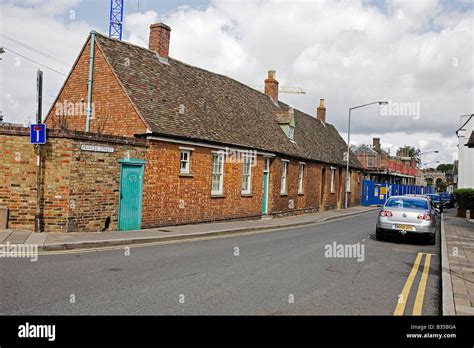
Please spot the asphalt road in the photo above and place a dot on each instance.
(282, 272)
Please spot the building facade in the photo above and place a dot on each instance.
(192, 146)
(466, 152)
(380, 167)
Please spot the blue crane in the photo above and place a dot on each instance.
(116, 17)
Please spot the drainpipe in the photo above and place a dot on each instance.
(89, 82)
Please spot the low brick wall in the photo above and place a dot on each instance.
(79, 188)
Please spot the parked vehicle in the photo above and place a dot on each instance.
(436, 199)
(447, 199)
(407, 215)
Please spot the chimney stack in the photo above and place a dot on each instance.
(271, 86)
(321, 111)
(376, 143)
(159, 41)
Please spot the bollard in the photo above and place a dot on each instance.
(468, 214)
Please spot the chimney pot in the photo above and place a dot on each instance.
(321, 111)
(271, 86)
(376, 143)
(159, 41)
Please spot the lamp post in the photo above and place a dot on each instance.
(433, 151)
(349, 144)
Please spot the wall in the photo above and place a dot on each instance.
(113, 112)
(79, 189)
(170, 198)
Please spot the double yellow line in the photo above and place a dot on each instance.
(420, 294)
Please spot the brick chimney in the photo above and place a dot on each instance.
(321, 111)
(159, 41)
(271, 86)
(376, 143)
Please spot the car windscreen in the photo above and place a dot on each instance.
(407, 203)
(435, 198)
(445, 195)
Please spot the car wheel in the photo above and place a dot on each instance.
(379, 234)
(432, 240)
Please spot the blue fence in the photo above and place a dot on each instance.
(377, 194)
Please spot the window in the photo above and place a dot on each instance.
(284, 170)
(370, 161)
(333, 175)
(300, 178)
(291, 132)
(217, 174)
(184, 162)
(246, 174)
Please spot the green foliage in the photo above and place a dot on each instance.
(444, 167)
(465, 198)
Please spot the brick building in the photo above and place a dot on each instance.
(191, 145)
(384, 168)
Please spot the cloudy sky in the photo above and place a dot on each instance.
(417, 54)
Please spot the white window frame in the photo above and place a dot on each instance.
(291, 132)
(187, 169)
(217, 173)
(300, 178)
(333, 177)
(284, 175)
(247, 177)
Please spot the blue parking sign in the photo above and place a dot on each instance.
(38, 134)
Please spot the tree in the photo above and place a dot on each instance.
(410, 151)
(444, 167)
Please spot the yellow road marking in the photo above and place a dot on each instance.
(400, 309)
(422, 287)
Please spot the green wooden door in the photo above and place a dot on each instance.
(130, 200)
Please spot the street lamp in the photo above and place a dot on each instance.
(433, 151)
(349, 144)
(425, 164)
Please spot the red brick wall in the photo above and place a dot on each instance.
(79, 189)
(169, 198)
(113, 112)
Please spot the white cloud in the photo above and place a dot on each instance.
(343, 51)
(38, 24)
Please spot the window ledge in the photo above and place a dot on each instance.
(217, 196)
(186, 175)
(300, 193)
(246, 195)
(283, 194)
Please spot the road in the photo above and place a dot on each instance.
(282, 272)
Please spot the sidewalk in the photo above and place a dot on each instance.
(78, 240)
(457, 265)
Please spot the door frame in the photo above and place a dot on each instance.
(266, 179)
(131, 162)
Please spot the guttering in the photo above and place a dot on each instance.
(89, 82)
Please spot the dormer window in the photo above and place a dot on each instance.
(291, 132)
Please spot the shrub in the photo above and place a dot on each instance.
(465, 198)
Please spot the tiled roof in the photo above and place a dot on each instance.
(215, 108)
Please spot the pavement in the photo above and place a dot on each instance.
(458, 265)
(285, 271)
(81, 240)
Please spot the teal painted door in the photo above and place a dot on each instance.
(266, 168)
(130, 205)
